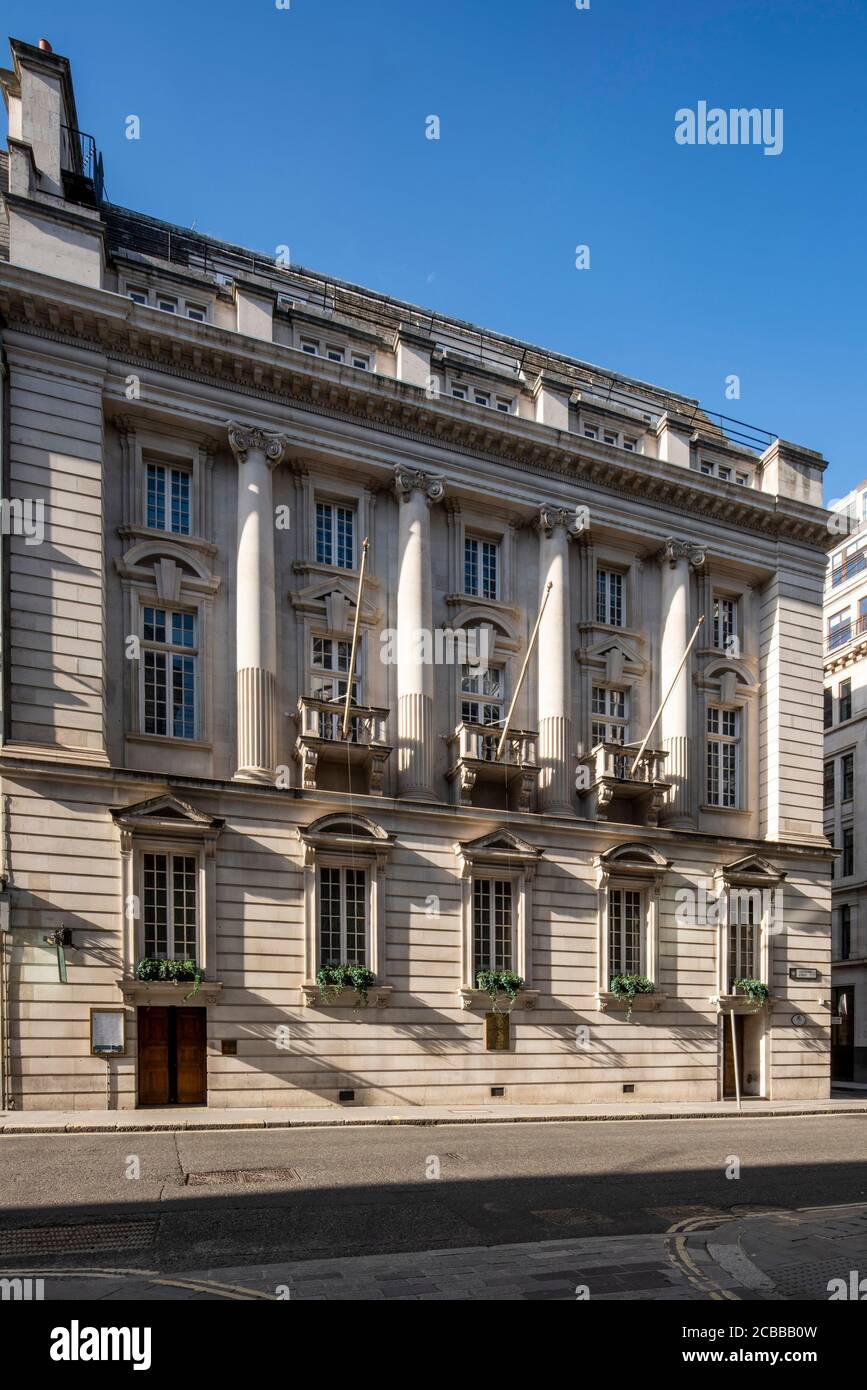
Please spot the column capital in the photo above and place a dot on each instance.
(410, 480)
(675, 550)
(245, 438)
(551, 516)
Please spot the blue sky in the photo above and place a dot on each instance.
(306, 126)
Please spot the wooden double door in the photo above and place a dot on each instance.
(172, 1060)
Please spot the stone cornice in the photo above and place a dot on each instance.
(133, 334)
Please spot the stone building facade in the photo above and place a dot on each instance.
(197, 443)
(845, 772)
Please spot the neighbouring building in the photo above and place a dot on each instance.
(845, 771)
(197, 441)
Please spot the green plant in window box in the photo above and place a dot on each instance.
(627, 986)
(171, 971)
(333, 979)
(756, 991)
(497, 982)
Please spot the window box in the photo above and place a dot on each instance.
(472, 998)
(607, 1002)
(169, 992)
(739, 1003)
(377, 995)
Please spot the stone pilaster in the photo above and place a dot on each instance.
(257, 452)
(677, 558)
(556, 527)
(416, 491)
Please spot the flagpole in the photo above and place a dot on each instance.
(345, 726)
(502, 742)
(689, 646)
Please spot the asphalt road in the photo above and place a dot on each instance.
(343, 1192)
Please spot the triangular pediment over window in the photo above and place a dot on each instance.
(501, 847)
(753, 869)
(168, 816)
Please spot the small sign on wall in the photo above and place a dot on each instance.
(108, 1032)
(497, 1033)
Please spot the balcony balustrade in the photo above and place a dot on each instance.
(612, 781)
(474, 763)
(320, 745)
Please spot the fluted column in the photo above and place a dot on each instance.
(677, 559)
(556, 527)
(257, 453)
(416, 491)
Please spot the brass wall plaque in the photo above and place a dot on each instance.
(497, 1032)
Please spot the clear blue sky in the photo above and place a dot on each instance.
(306, 126)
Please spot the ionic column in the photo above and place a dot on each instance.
(677, 558)
(556, 527)
(256, 606)
(416, 491)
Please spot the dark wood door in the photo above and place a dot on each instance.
(154, 1086)
(191, 1063)
(843, 1034)
(729, 1089)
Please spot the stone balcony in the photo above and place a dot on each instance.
(615, 792)
(331, 763)
(481, 779)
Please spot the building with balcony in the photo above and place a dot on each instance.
(235, 778)
(845, 771)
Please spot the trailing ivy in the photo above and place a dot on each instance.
(756, 990)
(497, 982)
(627, 986)
(172, 971)
(333, 979)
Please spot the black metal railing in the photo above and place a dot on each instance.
(82, 161)
(853, 564)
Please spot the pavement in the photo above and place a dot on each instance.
(211, 1117)
(762, 1257)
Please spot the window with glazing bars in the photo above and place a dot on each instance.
(482, 695)
(329, 677)
(610, 716)
(342, 916)
(744, 916)
(625, 930)
(609, 597)
(169, 491)
(169, 659)
(492, 924)
(335, 535)
(170, 906)
(723, 727)
(725, 621)
(481, 563)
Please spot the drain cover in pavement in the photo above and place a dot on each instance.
(80, 1237)
(232, 1176)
